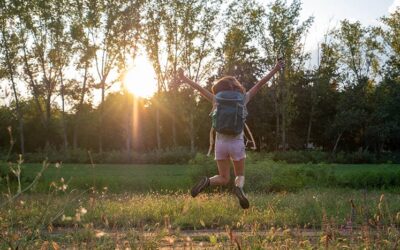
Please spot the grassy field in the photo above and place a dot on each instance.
(150, 221)
(148, 207)
(118, 178)
(262, 176)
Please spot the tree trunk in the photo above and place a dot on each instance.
(337, 143)
(309, 126)
(101, 117)
(48, 119)
(79, 108)
(283, 129)
(173, 103)
(277, 120)
(129, 129)
(283, 111)
(158, 129)
(174, 141)
(64, 127)
(20, 119)
(75, 133)
(192, 133)
(18, 108)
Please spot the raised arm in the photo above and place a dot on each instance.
(204, 92)
(253, 91)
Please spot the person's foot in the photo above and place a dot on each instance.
(244, 202)
(200, 186)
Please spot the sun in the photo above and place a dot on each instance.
(140, 79)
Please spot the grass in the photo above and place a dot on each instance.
(148, 206)
(305, 209)
(154, 217)
(118, 178)
(261, 176)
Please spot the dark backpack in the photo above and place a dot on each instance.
(230, 113)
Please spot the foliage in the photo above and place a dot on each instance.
(341, 157)
(347, 102)
(179, 155)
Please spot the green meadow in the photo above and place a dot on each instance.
(262, 176)
(149, 206)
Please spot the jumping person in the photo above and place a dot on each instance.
(229, 99)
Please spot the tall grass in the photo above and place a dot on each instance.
(309, 218)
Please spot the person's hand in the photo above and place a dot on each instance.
(280, 64)
(179, 78)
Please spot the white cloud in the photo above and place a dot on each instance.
(394, 6)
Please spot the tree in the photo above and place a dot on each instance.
(179, 33)
(84, 52)
(155, 12)
(9, 61)
(358, 50)
(113, 28)
(44, 51)
(384, 128)
(283, 38)
(198, 31)
(324, 95)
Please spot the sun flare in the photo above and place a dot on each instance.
(140, 79)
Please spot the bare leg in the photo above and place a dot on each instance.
(238, 167)
(224, 173)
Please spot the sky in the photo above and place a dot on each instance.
(328, 13)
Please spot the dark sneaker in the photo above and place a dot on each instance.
(202, 184)
(244, 202)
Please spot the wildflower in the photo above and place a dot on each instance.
(287, 232)
(100, 234)
(55, 245)
(64, 187)
(83, 210)
(78, 217)
(66, 218)
(127, 246)
(20, 160)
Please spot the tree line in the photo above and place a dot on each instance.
(57, 55)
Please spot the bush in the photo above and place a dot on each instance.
(341, 157)
(202, 165)
(270, 176)
(371, 180)
(301, 156)
(179, 155)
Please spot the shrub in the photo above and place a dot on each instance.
(315, 156)
(270, 176)
(178, 155)
(202, 165)
(275, 177)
